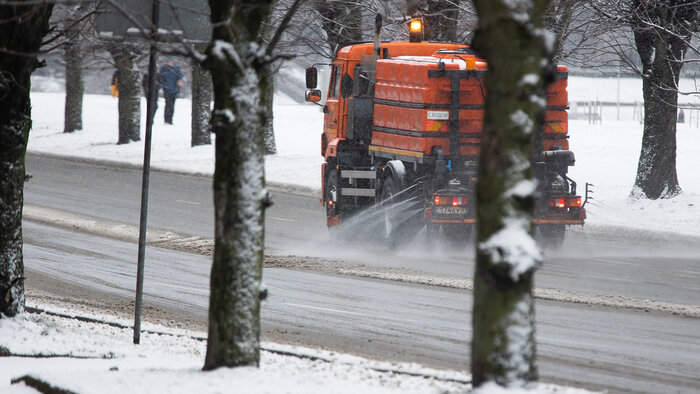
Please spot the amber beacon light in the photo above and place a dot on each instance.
(415, 28)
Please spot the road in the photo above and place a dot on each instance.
(591, 346)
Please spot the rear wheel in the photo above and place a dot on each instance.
(550, 236)
(388, 202)
(458, 234)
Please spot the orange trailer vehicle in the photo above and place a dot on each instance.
(402, 127)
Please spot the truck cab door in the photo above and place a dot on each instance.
(332, 120)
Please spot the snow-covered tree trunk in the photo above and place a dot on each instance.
(268, 102)
(661, 35)
(73, 119)
(201, 105)
(238, 74)
(129, 88)
(511, 38)
(22, 30)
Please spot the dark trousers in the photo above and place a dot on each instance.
(169, 107)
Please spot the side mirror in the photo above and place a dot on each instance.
(313, 96)
(311, 78)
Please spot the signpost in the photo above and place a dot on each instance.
(125, 20)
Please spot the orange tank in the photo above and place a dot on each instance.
(412, 108)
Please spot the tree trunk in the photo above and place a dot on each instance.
(129, 94)
(239, 196)
(268, 101)
(201, 105)
(73, 119)
(22, 30)
(503, 343)
(661, 54)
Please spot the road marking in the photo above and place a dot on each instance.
(188, 202)
(179, 287)
(281, 219)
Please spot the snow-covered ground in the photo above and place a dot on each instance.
(95, 355)
(91, 357)
(171, 362)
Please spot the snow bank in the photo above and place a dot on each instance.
(93, 357)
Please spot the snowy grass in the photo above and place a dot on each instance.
(98, 358)
(92, 357)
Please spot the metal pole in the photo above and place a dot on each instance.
(618, 95)
(150, 112)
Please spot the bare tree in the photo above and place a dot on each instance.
(237, 59)
(512, 39)
(124, 55)
(201, 105)
(440, 18)
(662, 33)
(73, 57)
(341, 21)
(23, 25)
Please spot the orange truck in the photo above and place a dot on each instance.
(401, 135)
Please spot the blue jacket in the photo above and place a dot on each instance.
(168, 78)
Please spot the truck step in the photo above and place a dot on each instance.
(358, 174)
(350, 191)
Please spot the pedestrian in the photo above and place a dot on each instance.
(115, 80)
(170, 79)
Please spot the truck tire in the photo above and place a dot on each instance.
(550, 236)
(389, 224)
(458, 235)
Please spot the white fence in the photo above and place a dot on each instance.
(595, 111)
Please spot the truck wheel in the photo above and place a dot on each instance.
(458, 235)
(389, 224)
(550, 236)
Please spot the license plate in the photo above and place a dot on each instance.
(451, 211)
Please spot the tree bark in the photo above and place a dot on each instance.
(73, 118)
(21, 39)
(239, 196)
(661, 52)
(510, 37)
(201, 105)
(268, 101)
(128, 85)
